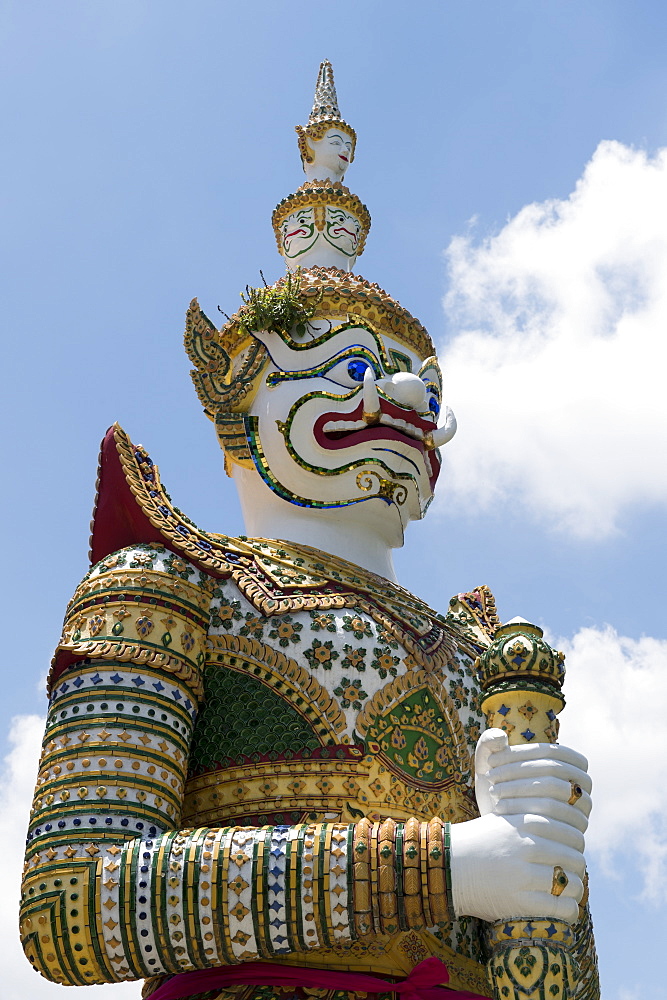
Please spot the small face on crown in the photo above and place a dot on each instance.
(323, 224)
(342, 230)
(331, 155)
(298, 232)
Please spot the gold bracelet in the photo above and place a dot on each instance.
(437, 890)
(448, 869)
(423, 872)
(387, 877)
(363, 919)
(375, 897)
(412, 890)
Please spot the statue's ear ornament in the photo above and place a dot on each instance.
(222, 387)
(229, 361)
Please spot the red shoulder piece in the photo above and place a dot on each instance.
(132, 507)
(118, 518)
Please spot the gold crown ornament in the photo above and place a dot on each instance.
(321, 291)
(320, 196)
(324, 115)
(521, 678)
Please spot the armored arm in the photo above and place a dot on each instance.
(114, 889)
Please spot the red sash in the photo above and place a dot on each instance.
(423, 983)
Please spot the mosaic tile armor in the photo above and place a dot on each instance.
(256, 751)
(222, 742)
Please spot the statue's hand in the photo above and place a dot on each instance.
(524, 856)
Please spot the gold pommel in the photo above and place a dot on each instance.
(521, 677)
(519, 653)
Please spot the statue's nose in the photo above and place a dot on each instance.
(407, 389)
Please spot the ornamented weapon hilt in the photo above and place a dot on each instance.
(521, 678)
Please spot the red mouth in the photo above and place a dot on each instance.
(295, 232)
(396, 424)
(343, 158)
(342, 229)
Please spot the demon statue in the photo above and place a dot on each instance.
(263, 775)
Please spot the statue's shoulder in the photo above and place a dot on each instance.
(148, 562)
(473, 615)
(289, 578)
(133, 507)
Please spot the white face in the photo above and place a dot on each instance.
(298, 232)
(332, 154)
(315, 444)
(342, 231)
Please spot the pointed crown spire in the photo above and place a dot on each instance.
(325, 114)
(325, 105)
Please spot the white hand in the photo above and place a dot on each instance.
(535, 802)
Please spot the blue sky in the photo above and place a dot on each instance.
(510, 155)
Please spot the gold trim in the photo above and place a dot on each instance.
(296, 681)
(319, 195)
(279, 577)
(341, 293)
(227, 795)
(393, 694)
(112, 650)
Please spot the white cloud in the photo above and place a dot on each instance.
(557, 369)
(17, 783)
(616, 690)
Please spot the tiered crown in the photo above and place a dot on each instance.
(320, 229)
(324, 115)
(323, 224)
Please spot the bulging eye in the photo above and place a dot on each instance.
(357, 369)
(433, 391)
(349, 372)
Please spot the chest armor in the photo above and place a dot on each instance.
(333, 712)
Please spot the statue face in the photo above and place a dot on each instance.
(342, 230)
(309, 429)
(298, 232)
(332, 154)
